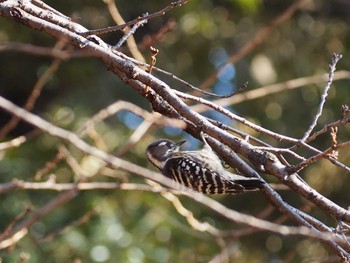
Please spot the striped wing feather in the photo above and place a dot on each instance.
(188, 173)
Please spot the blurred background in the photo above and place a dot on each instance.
(138, 226)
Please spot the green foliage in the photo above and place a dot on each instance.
(250, 6)
(138, 226)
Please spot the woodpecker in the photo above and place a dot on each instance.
(199, 170)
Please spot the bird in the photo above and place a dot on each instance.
(200, 170)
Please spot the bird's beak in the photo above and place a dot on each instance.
(178, 144)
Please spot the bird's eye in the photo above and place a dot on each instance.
(162, 143)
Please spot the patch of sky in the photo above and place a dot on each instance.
(225, 79)
(131, 120)
(172, 131)
(224, 84)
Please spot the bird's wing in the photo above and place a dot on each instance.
(188, 173)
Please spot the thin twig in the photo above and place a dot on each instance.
(72, 162)
(235, 117)
(325, 154)
(10, 226)
(81, 186)
(118, 19)
(335, 59)
(138, 133)
(137, 25)
(136, 20)
(274, 88)
(191, 219)
(327, 127)
(117, 106)
(49, 165)
(13, 143)
(185, 83)
(80, 221)
(21, 229)
(36, 50)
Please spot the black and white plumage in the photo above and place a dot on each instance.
(199, 170)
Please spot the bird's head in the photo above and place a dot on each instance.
(159, 151)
